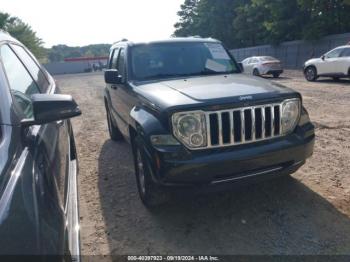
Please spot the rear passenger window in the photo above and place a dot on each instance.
(346, 52)
(33, 67)
(21, 83)
(121, 62)
(113, 64)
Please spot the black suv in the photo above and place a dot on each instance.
(38, 162)
(193, 118)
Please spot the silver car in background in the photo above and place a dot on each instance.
(262, 65)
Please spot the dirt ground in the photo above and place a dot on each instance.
(306, 214)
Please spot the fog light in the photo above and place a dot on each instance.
(196, 139)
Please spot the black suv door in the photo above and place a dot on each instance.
(46, 147)
(123, 98)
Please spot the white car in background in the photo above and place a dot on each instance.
(262, 65)
(335, 64)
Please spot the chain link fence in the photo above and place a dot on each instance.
(293, 54)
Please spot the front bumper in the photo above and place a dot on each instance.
(177, 166)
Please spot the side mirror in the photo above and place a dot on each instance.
(240, 65)
(112, 77)
(323, 57)
(50, 108)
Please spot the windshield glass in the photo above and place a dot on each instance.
(154, 61)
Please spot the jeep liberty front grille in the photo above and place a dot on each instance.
(243, 125)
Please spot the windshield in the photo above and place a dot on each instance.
(154, 61)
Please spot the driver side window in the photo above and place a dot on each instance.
(21, 84)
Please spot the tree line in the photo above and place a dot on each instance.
(243, 23)
(59, 52)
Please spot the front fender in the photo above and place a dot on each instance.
(145, 123)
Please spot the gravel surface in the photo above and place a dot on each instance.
(308, 213)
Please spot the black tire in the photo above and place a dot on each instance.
(276, 75)
(310, 73)
(113, 129)
(151, 194)
(256, 72)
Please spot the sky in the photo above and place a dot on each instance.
(79, 22)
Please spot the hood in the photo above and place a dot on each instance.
(313, 60)
(210, 89)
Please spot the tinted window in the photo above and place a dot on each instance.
(334, 53)
(21, 83)
(346, 52)
(246, 61)
(152, 61)
(33, 67)
(113, 63)
(267, 58)
(121, 62)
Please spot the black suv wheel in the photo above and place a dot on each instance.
(114, 131)
(151, 194)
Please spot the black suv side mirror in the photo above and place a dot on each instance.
(112, 77)
(50, 108)
(240, 65)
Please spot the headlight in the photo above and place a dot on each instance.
(190, 128)
(290, 115)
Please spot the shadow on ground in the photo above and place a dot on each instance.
(282, 216)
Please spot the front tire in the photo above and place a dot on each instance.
(310, 73)
(151, 194)
(113, 129)
(276, 75)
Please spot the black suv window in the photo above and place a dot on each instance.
(114, 60)
(121, 62)
(346, 52)
(152, 61)
(33, 67)
(21, 83)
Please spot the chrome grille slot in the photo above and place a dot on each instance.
(243, 125)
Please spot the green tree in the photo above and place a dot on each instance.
(241, 23)
(24, 33)
(188, 16)
(59, 52)
(325, 17)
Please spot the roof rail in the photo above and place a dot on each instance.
(122, 40)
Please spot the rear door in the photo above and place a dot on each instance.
(345, 61)
(124, 93)
(48, 144)
(252, 64)
(113, 89)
